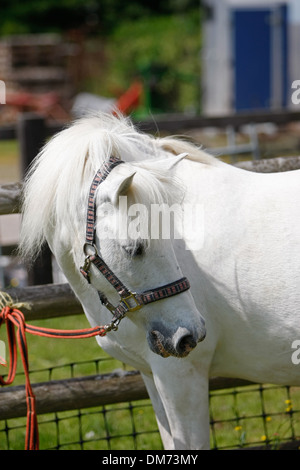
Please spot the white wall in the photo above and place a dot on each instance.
(216, 73)
(217, 76)
(294, 11)
(294, 40)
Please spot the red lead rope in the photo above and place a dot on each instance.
(13, 317)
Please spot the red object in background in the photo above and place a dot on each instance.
(49, 104)
(130, 99)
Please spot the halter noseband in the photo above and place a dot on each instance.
(129, 301)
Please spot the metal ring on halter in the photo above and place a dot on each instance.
(113, 326)
(90, 247)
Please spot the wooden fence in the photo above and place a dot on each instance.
(54, 300)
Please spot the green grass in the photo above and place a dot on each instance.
(255, 415)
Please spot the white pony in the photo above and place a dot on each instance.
(243, 267)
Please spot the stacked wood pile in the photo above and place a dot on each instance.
(35, 63)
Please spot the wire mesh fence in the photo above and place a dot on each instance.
(122, 426)
(262, 416)
(105, 428)
(256, 416)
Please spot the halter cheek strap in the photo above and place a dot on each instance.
(129, 301)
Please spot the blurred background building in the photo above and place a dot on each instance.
(185, 56)
(250, 54)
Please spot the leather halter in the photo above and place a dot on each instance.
(129, 301)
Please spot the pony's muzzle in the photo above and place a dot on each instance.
(180, 344)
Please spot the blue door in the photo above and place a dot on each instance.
(260, 55)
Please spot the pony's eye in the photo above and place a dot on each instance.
(139, 250)
(133, 250)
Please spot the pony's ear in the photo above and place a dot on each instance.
(169, 162)
(176, 159)
(120, 186)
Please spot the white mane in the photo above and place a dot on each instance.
(63, 170)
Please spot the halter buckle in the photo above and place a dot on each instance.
(126, 300)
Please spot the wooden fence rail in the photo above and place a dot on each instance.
(176, 122)
(46, 301)
(10, 198)
(86, 392)
(10, 193)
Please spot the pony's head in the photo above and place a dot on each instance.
(136, 243)
(127, 236)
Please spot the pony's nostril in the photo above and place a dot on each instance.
(186, 344)
(179, 345)
(158, 343)
(155, 335)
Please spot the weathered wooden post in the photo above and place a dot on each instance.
(31, 134)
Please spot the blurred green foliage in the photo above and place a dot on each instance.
(159, 42)
(163, 51)
(97, 16)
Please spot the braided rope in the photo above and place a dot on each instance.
(13, 317)
(7, 301)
